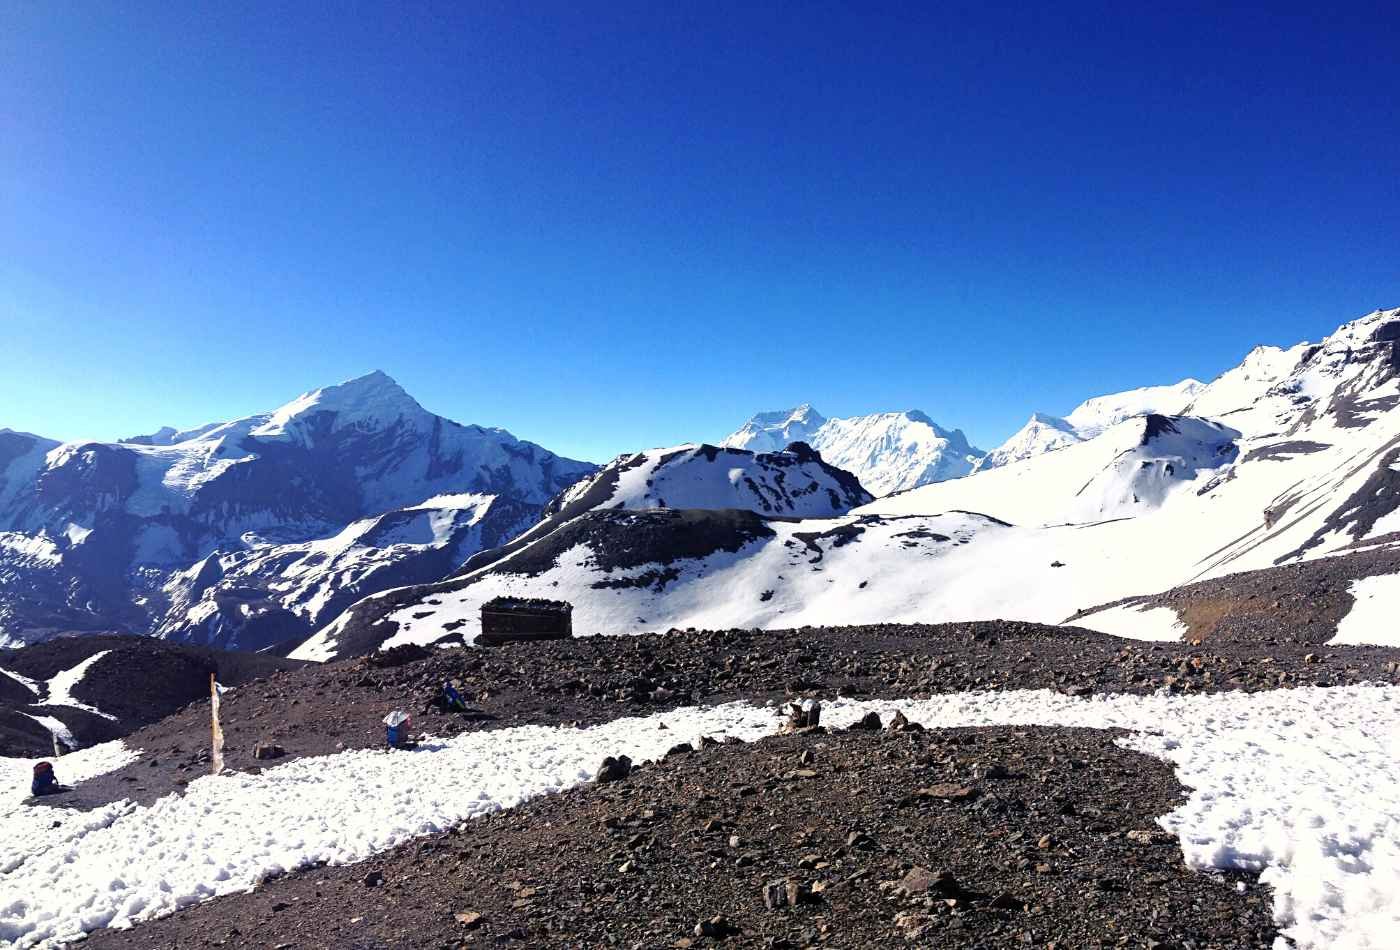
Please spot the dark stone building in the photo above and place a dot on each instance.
(506, 619)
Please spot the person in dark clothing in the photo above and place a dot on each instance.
(45, 782)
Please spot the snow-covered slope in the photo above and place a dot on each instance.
(887, 451)
(627, 571)
(91, 532)
(1133, 467)
(1315, 472)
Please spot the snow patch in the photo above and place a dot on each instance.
(1134, 622)
(32, 685)
(60, 687)
(1373, 618)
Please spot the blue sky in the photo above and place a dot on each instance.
(609, 226)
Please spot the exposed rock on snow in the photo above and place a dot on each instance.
(795, 482)
(253, 599)
(625, 571)
(1093, 416)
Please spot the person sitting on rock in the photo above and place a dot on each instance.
(447, 700)
(45, 782)
(452, 699)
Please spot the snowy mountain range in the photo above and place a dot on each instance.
(887, 451)
(194, 534)
(1046, 433)
(352, 518)
(1290, 457)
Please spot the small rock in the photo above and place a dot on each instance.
(861, 840)
(614, 769)
(948, 792)
(870, 721)
(470, 919)
(717, 926)
(268, 750)
(373, 879)
(775, 895)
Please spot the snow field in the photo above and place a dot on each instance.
(1302, 784)
(26, 831)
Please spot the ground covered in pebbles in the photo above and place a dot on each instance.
(990, 837)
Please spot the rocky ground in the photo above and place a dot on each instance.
(140, 681)
(318, 710)
(962, 838)
(1304, 601)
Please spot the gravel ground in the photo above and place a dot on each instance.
(995, 837)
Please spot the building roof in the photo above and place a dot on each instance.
(531, 605)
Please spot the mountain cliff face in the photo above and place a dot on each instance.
(91, 534)
(887, 451)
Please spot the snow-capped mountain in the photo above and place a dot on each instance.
(1092, 416)
(1047, 433)
(1290, 457)
(775, 431)
(1042, 433)
(794, 483)
(92, 533)
(887, 451)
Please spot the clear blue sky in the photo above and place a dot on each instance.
(613, 225)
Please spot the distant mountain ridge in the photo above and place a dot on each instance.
(92, 534)
(887, 451)
(1046, 433)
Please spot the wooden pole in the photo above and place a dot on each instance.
(216, 735)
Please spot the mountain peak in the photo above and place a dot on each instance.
(773, 431)
(372, 400)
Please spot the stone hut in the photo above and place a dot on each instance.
(507, 619)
